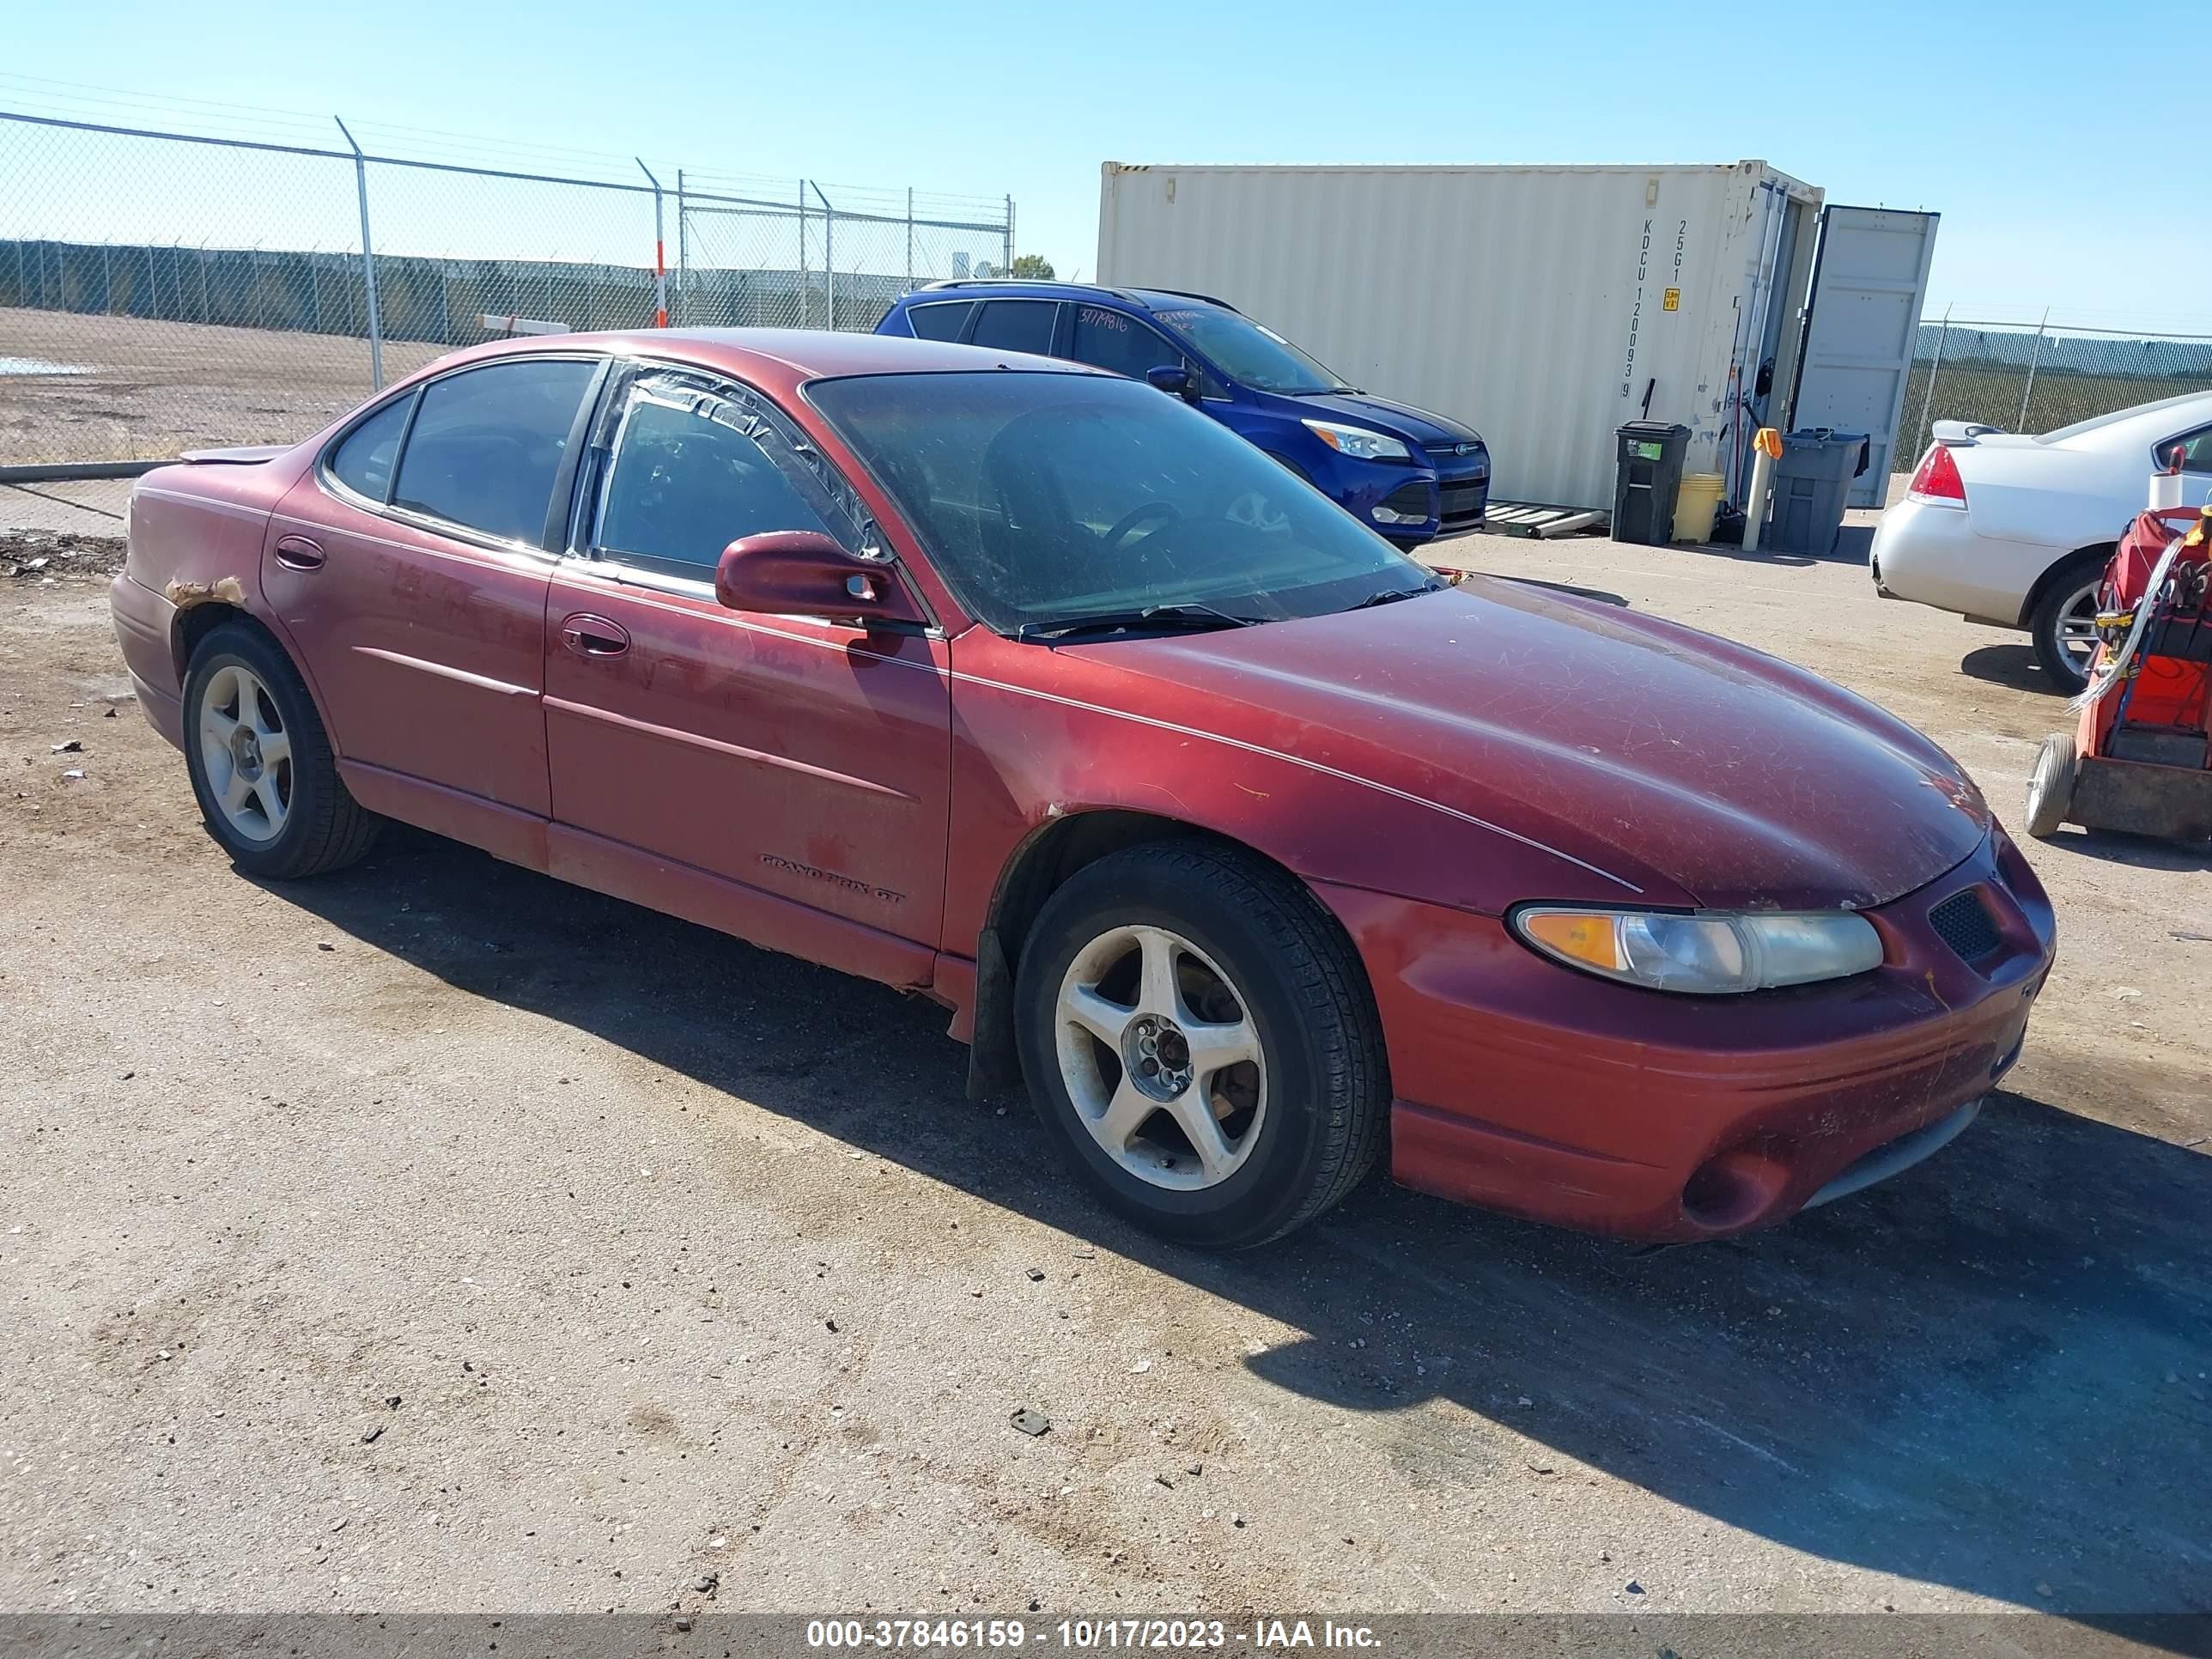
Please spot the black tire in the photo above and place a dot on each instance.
(1328, 1090)
(2043, 627)
(325, 828)
(2050, 785)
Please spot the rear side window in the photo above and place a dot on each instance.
(1115, 340)
(1017, 325)
(488, 444)
(363, 461)
(2193, 450)
(942, 320)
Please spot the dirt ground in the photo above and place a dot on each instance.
(434, 1236)
(145, 390)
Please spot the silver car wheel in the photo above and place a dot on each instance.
(246, 752)
(1159, 1054)
(2077, 626)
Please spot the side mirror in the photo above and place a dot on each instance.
(1174, 380)
(803, 573)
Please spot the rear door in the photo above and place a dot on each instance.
(1869, 280)
(411, 565)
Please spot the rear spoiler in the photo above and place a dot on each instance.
(242, 455)
(1961, 434)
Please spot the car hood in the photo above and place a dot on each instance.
(1421, 426)
(1657, 764)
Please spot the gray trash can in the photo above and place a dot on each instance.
(1812, 482)
(1647, 474)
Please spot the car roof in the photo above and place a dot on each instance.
(2162, 416)
(783, 355)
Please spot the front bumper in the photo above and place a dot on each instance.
(1526, 1087)
(1418, 506)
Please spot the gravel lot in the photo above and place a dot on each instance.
(434, 1236)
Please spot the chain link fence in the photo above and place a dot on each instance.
(159, 290)
(2031, 378)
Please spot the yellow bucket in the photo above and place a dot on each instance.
(1695, 503)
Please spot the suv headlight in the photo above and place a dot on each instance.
(1705, 953)
(1358, 442)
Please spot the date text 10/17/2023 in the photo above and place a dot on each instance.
(1086, 1635)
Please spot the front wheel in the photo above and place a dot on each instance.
(261, 764)
(1200, 1040)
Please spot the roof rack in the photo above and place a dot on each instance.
(1133, 294)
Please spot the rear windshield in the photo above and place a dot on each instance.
(1044, 496)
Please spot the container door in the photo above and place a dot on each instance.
(1861, 322)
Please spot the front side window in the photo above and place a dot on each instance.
(1017, 325)
(1248, 353)
(1046, 496)
(487, 445)
(695, 467)
(1115, 340)
(941, 319)
(363, 461)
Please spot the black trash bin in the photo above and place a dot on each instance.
(1647, 475)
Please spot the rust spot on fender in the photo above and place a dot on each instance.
(185, 595)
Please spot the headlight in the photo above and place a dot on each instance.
(1708, 953)
(1358, 442)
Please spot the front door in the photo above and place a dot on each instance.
(799, 762)
(412, 569)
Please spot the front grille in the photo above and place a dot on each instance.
(1412, 499)
(1962, 921)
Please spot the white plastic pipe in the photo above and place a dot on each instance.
(1754, 500)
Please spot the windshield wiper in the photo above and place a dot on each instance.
(1389, 595)
(1161, 617)
(1325, 391)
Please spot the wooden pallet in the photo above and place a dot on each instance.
(1535, 518)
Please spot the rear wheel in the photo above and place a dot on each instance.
(2050, 785)
(1200, 1040)
(2064, 626)
(261, 764)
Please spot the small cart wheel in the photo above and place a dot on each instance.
(2050, 785)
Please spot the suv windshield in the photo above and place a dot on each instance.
(1247, 353)
(1045, 498)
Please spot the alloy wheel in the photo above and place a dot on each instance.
(1161, 1058)
(247, 753)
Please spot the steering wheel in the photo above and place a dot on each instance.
(1166, 512)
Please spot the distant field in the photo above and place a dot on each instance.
(1990, 393)
(149, 389)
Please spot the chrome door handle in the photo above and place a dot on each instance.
(299, 553)
(594, 636)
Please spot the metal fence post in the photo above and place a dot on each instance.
(659, 257)
(828, 255)
(682, 253)
(909, 236)
(2034, 357)
(1007, 268)
(1935, 364)
(806, 288)
(367, 264)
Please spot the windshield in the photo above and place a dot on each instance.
(1247, 353)
(1043, 497)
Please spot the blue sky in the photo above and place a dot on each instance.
(2033, 128)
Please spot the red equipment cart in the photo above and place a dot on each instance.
(2140, 759)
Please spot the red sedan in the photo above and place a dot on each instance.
(1249, 846)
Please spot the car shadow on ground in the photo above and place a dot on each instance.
(2014, 665)
(1988, 1373)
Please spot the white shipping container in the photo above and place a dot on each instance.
(1542, 304)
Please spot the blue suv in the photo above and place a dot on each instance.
(1411, 475)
